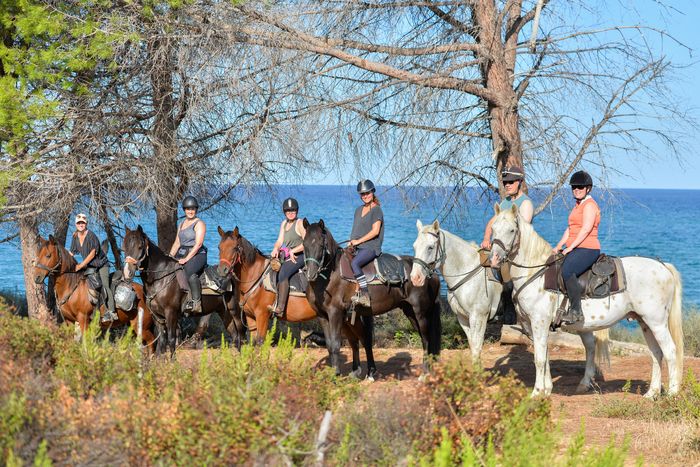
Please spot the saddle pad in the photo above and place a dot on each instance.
(297, 283)
(609, 271)
(385, 269)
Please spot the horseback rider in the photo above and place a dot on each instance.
(290, 250)
(367, 236)
(513, 177)
(189, 250)
(86, 244)
(581, 240)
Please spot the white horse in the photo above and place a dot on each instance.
(472, 297)
(653, 296)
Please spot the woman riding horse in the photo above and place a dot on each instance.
(86, 244)
(581, 239)
(289, 244)
(189, 250)
(367, 236)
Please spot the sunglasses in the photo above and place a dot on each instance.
(578, 187)
(81, 223)
(510, 182)
(366, 193)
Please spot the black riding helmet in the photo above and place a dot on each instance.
(581, 178)
(190, 202)
(365, 186)
(290, 204)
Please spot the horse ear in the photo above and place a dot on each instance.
(496, 208)
(235, 232)
(126, 230)
(221, 231)
(322, 225)
(419, 225)
(305, 223)
(52, 240)
(436, 225)
(139, 228)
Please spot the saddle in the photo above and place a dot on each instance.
(212, 282)
(499, 275)
(386, 269)
(606, 277)
(297, 283)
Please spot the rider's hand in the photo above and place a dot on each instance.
(494, 260)
(567, 251)
(275, 253)
(353, 243)
(79, 267)
(292, 257)
(486, 244)
(182, 261)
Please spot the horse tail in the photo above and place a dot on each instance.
(602, 349)
(675, 317)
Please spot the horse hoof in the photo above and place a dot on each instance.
(357, 374)
(651, 394)
(371, 375)
(583, 388)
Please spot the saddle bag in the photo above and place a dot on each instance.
(600, 282)
(124, 296)
(211, 279)
(93, 279)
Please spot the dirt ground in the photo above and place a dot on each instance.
(660, 443)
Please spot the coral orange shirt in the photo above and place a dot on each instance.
(576, 222)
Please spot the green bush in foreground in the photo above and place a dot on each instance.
(99, 402)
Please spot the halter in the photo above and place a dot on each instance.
(322, 263)
(53, 270)
(137, 262)
(512, 252)
(440, 254)
(232, 262)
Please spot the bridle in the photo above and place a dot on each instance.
(511, 252)
(236, 258)
(53, 270)
(144, 249)
(322, 262)
(440, 254)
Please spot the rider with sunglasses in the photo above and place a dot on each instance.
(513, 178)
(290, 250)
(581, 239)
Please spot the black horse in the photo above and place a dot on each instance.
(164, 295)
(330, 295)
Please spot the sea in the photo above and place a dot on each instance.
(646, 222)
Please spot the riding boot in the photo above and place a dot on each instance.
(282, 296)
(110, 314)
(573, 290)
(362, 297)
(196, 293)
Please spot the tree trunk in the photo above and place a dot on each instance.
(36, 297)
(111, 237)
(60, 229)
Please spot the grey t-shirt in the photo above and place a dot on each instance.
(362, 225)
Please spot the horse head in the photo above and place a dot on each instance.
(48, 259)
(135, 248)
(230, 251)
(317, 250)
(429, 252)
(505, 236)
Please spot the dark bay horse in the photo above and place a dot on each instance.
(330, 295)
(247, 265)
(163, 293)
(72, 297)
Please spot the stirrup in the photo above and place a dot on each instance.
(109, 316)
(572, 316)
(362, 299)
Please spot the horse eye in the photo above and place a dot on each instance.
(512, 230)
(430, 248)
(48, 255)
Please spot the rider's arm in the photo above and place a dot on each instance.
(278, 244)
(486, 242)
(526, 211)
(87, 259)
(176, 243)
(589, 213)
(200, 231)
(301, 231)
(563, 240)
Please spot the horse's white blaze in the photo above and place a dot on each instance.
(475, 301)
(653, 293)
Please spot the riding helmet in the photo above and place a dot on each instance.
(365, 186)
(290, 204)
(512, 174)
(190, 202)
(581, 178)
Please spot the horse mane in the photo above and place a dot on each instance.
(68, 264)
(532, 246)
(250, 251)
(457, 239)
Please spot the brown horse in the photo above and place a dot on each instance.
(330, 295)
(248, 266)
(163, 293)
(72, 296)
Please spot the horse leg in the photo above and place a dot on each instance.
(664, 347)
(586, 382)
(262, 324)
(543, 380)
(172, 332)
(368, 342)
(353, 339)
(336, 317)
